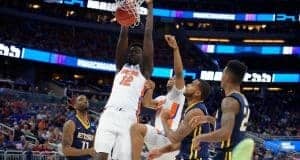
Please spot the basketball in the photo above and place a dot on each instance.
(125, 18)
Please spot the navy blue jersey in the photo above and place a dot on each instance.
(186, 151)
(83, 137)
(239, 129)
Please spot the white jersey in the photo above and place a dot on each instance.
(174, 101)
(127, 88)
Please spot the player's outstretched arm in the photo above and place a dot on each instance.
(122, 47)
(178, 66)
(148, 42)
(67, 140)
(184, 128)
(155, 153)
(230, 107)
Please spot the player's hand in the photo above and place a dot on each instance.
(171, 41)
(195, 143)
(149, 2)
(155, 153)
(150, 84)
(165, 114)
(197, 120)
(92, 152)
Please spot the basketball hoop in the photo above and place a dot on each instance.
(132, 7)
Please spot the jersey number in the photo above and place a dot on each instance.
(245, 119)
(85, 145)
(127, 79)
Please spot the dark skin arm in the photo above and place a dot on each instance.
(170, 148)
(122, 47)
(67, 140)
(148, 102)
(178, 66)
(230, 107)
(148, 43)
(155, 153)
(184, 128)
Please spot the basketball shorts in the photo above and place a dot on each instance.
(113, 133)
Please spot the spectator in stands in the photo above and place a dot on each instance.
(17, 133)
(10, 142)
(268, 155)
(32, 122)
(56, 136)
(2, 138)
(42, 145)
(22, 144)
(26, 130)
(42, 124)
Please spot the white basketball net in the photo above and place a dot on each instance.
(132, 7)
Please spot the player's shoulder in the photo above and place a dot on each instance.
(192, 112)
(200, 105)
(69, 125)
(230, 104)
(70, 122)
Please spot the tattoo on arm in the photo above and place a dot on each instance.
(230, 108)
(170, 148)
(184, 128)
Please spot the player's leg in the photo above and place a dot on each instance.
(155, 139)
(137, 133)
(122, 149)
(105, 137)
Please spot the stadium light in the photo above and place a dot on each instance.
(204, 39)
(77, 76)
(251, 88)
(263, 41)
(274, 89)
(34, 6)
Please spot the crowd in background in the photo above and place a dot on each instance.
(38, 123)
(272, 115)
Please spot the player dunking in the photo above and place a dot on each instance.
(195, 93)
(233, 116)
(134, 66)
(78, 134)
(174, 101)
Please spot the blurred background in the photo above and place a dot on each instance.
(53, 50)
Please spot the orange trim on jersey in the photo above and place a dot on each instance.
(173, 112)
